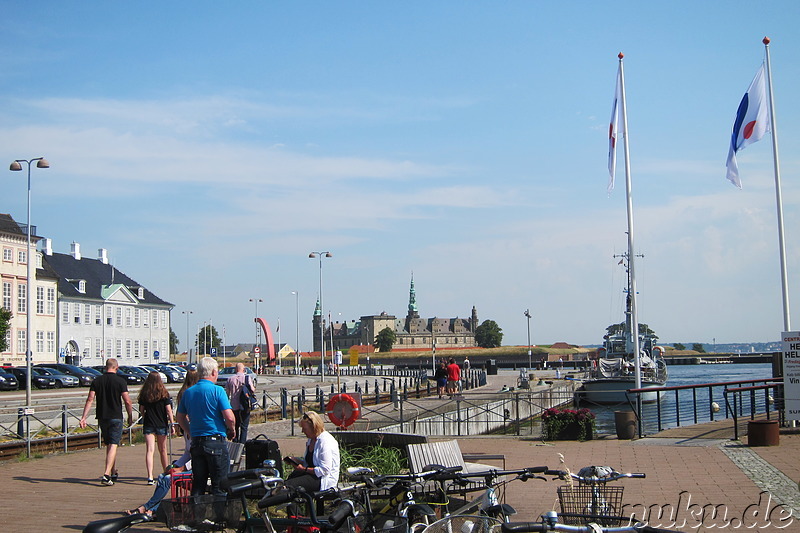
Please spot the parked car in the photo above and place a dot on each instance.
(84, 378)
(130, 379)
(62, 380)
(228, 371)
(38, 379)
(145, 370)
(8, 381)
(173, 375)
(179, 368)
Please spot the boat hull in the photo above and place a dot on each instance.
(615, 390)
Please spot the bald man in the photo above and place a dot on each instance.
(241, 412)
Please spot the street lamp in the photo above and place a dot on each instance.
(188, 347)
(16, 166)
(258, 332)
(530, 360)
(312, 255)
(297, 328)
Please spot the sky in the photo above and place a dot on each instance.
(210, 146)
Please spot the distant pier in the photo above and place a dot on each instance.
(719, 358)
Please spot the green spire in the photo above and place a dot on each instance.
(412, 297)
(318, 309)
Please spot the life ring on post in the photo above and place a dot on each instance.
(342, 410)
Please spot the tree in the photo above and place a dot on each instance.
(385, 340)
(5, 327)
(207, 338)
(489, 334)
(644, 329)
(173, 341)
(678, 346)
(698, 347)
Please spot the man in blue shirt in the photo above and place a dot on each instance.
(205, 415)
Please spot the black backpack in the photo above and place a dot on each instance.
(247, 398)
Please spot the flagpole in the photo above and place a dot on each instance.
(632, 271)
(779, 201)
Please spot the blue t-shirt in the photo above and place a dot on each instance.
(203, 403)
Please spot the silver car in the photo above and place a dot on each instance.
(228, 371)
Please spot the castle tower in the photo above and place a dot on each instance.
(474, 319)
(412, 305)
(316, 326)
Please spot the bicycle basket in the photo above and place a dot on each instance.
(581, 504)
(202, 513)
(465, 524)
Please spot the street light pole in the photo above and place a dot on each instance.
(312, 255)
(258, 333)
(297, 328)
(16, 166)
(188, 346)
(530, 359)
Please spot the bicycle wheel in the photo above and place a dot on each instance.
(465, 524)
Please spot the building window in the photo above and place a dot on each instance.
(155, 318)
(22, 256)
(8, 340)
(118, 348)
(64, 313)
(87, 347)
(145, 318)
(109, 348)
(87, 314)
(98, 347)
(8, 254)
(137, 317)
(40, 341)
(98, 313)
(76, 312)
(127, 317)
(22, 301)
(136, 348)
(7, 295)
(22, 345)
(109, 318)
(163, 320)
(51, 342)
(51, 301)
(82, 286)
(128, 348)
(119, 317)
(145, 348)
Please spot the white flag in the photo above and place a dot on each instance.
(613, 131)
(752, 122)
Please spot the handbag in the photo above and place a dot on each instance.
(247, 397)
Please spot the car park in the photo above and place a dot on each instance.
(38, 379)
(145, 370)
(173, 375)
(130, 378)
(8, 381)
(62, 380)
(228, 371)
(84, 378)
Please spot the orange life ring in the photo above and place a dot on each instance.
(342, 410)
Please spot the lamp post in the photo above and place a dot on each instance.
(297, 328)
(312, 255)
(530, 359)
(258, 332)
(16, 166)
(188, 346)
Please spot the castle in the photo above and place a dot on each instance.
(411, 331)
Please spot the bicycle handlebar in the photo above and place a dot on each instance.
(534, 527)
(260, 482)
(594, 480)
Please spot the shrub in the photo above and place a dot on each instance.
(568, 424)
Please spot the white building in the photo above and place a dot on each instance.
(103, 313)
(14, 274)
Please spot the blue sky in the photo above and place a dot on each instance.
(211, 146)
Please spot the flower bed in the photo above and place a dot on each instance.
(568, 424)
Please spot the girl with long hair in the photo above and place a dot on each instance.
(158, 421)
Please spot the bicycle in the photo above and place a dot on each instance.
(592, 499)
(487, 503)
(550, 522)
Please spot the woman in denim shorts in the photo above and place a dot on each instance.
(155, 406)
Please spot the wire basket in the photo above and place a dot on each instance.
(202, 513)
(465, 524)
(582, 504)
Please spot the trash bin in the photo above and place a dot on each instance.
(625, 423)
(491, 367)
(763, 433)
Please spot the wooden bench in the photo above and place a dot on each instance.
(448, 454)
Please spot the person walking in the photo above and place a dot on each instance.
(111, 392)
(453, 377)
(234, 386)
(206, 417)
(155, 406)
(440, 375)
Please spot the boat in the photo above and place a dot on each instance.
(613, 373)
(628, 359)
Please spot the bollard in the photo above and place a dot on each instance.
(284, 403)
(366, 388)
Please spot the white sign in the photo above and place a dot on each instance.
(337, 359)
(791, 374)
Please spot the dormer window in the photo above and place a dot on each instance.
(82, 286)
(140, 293)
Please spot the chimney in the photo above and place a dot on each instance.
(47, 246)
(76, 250)
(102, 255)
